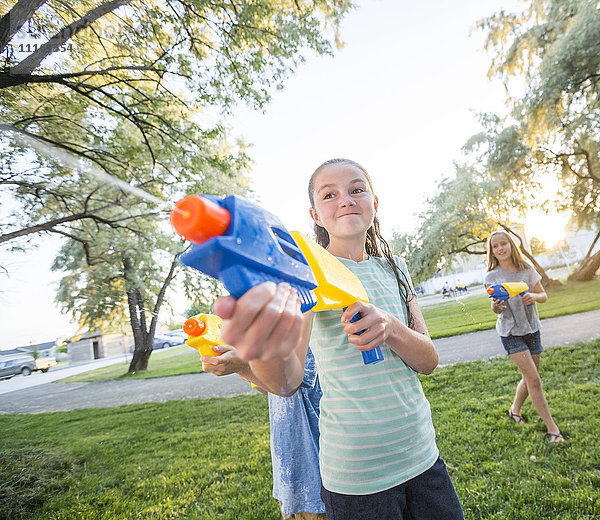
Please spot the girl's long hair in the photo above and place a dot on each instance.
(375, 244)
(515, 253)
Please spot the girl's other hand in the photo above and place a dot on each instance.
(528, 298)
(265, 323)
(375, 323)
(227, 363)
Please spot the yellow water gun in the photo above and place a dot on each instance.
(204, 333)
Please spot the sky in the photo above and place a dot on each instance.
(400, 98)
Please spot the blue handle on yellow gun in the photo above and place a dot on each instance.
(338, 287)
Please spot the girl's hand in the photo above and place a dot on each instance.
(227, 363)
(498, 305)
(529, 298)
(377, 326)
(265, 323)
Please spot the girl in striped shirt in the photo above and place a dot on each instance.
(378, 456)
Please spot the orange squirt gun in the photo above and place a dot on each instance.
(204, 333)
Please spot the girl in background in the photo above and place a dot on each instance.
(519, 325)
(378, 455)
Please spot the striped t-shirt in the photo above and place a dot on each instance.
(376, 428)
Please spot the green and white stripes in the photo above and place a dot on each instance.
(376, 429)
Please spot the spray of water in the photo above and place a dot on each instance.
(79, 164)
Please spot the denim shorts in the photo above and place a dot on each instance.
(531, 342)
(428, 496)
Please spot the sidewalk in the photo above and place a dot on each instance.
(52, 397)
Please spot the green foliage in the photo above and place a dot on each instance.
(553, 48)
(207, 459)
(458, 219)
(538, 247)
(552, 51)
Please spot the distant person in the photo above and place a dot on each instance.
(519, 326)
(294, 436)
(446, 291)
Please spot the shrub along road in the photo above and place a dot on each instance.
(52, 397)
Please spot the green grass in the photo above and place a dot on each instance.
(172, 362)
(473, 313)
(208, 459)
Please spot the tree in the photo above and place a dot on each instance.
(145, 68)
(552, 50)
(459, 218)
(123, 85)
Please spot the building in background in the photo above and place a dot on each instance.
(97, 345)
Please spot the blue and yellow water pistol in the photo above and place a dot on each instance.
(506, 290)
(243, 245)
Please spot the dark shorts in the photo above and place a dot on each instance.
(531, 342)
(428, 496)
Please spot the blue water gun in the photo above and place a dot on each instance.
(506, 290)
(241, 244)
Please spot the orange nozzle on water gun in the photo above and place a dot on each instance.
(197, 219)
(194, 327)
(204, 333)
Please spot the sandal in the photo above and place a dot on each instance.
(519, 419)
(555, 438)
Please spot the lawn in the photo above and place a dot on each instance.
(209, 459)
(471, 313)
(171, 362)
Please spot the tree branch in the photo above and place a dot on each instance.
(12, 21)
(32, 61)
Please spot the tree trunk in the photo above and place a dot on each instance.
(143, 342)
(587, 269)
(144, 337)
(141, 356)
(546, 280)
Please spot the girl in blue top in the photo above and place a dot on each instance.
(519, 326)
(378, 455)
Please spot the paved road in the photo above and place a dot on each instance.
(51, 397)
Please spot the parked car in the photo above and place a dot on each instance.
(164, 341)
(24, 365)
(177, 334)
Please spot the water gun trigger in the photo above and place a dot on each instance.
(337, 288)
